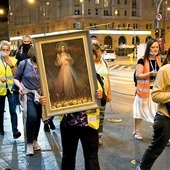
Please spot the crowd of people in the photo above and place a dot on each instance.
(20, 83)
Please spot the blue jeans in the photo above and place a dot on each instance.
(70, 135)
(160, 139)
(14, 119)
(34, 113)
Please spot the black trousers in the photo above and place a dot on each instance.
(160, 139)
(70, 136)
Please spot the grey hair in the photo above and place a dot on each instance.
(5, 42)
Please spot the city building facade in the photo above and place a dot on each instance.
(113, 22)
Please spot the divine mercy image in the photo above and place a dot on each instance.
(66, 72)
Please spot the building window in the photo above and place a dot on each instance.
(125, 13)
(94, 25)
(74, 25)
(89, 12)
(125, 2)
(97, 11)
(133, 3)
(134, 13)
(77, 12)
(106, 13)
(150, 26)
(91, 24)
(118, 1)
(118, 26)
(116, 12)
(97, 2)
(124, 25)
(113, 24)
(147, 27)
(135, 26)
(78, 25)
(106, 3)
(128, 26)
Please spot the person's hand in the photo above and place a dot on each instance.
(43, 100)
(7, 61)
(21, 91)
(3, 80)
(109, 98)
(99, 94)
(153, 73)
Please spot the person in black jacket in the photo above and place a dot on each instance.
(23, 49)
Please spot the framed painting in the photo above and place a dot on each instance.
(67, 73)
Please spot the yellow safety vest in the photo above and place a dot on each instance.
(6, 71)
(93, 115)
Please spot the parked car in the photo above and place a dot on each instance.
(109, 54)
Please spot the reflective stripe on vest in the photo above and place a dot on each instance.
(93, 117)
(7, 73)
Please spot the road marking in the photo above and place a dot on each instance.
(111, 68)
(129, 68)
(121, 67)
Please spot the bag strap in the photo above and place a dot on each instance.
(100, 80)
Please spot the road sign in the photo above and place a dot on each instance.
(158, 17)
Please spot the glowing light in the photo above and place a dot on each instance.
(1, 12)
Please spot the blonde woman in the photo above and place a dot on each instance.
(7, 70)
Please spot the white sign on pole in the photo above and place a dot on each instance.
(158, 17)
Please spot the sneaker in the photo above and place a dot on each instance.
(30, 150)
(46, 127)
(36, 146)
(52, 126)
(17, 135)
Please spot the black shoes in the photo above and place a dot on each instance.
(52, 126)
(2, 132)
(17, 135)
(48, 123)
(46, 127)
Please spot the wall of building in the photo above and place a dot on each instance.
(57, 15)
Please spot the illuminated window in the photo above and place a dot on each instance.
(106, 3)
(97, 1)
(77, 12)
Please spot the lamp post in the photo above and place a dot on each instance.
(163, 25)
(82, 11)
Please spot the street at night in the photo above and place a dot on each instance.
(120, 150)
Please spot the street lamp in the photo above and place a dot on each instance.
(2, 12)
(82, 3)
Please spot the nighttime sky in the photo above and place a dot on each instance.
(4, 3)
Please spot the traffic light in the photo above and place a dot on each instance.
(157, 32)
(162, 32)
